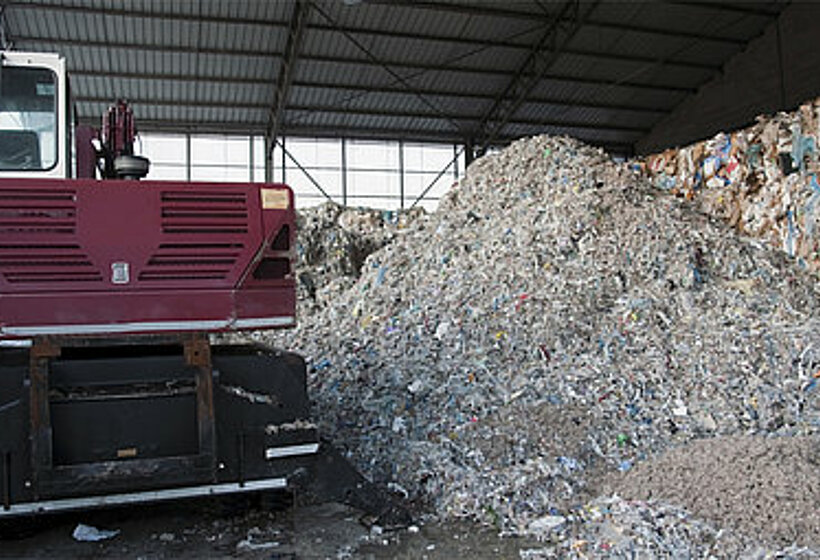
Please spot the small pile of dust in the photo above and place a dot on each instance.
(766, 487)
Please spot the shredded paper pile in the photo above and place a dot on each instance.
(527, 355)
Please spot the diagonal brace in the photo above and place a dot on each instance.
(564, 25)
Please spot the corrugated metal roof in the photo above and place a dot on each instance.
(432, 70)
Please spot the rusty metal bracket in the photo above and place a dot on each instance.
(41, 353)
(197, 350)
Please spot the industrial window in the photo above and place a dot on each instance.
(220, 158)
(167, 153)
(28, 119)
(375, 174)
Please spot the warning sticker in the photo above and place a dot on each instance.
(275, 199)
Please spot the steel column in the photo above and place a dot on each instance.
(251, 170)
(268, 160)
(401, 174)
(281, 142)
(301, 10)
(455, 164)
(188, 156)
(344, 171)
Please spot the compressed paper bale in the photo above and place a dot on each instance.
(761, 180)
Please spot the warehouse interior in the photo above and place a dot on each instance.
(548, 279)
(308, 85)
(633, 78)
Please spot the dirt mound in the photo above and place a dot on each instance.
(764, 487)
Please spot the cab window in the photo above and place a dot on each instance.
(28, 119)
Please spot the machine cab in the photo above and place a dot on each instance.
(33, 116)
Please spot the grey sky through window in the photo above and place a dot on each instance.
(375, 174)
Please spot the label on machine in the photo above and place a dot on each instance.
(275, 199)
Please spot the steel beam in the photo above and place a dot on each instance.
(556, 101)
(296, 29)
(435, 180)
(417, 67)
(351, 132)
(483, 45)
(532, 70)
(410, 135)
(116, 10)
(478, 9)
(303, 170)
(313, 109)
(114, 44)
(744, 8)
(388, 67)
(376, 88)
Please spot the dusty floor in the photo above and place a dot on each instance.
(205, 529)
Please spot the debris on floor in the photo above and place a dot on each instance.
(557, 320)
(87, 533)
(259, 539)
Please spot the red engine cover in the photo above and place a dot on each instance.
(84, 257)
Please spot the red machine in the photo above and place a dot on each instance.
(88, 257)
(110, 389)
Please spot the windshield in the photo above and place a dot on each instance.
(28, 119)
